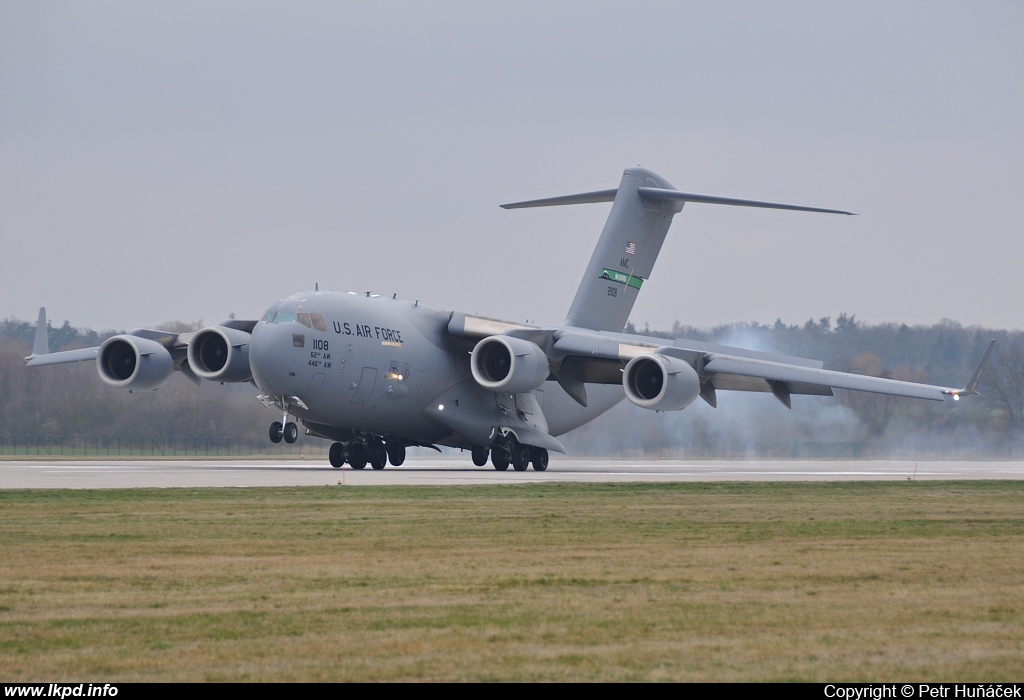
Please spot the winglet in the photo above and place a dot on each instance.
(41, 346)
(972, 384)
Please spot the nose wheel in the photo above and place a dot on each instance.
(288, 432)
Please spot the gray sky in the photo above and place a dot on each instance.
(185, 160)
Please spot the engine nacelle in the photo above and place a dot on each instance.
(133, 363)
(660, 382)
(220, 354)
(503, 363)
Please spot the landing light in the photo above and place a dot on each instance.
(440, 407)
(956, 397)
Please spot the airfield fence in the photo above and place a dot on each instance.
(154, 446)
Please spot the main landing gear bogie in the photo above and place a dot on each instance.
(511, 451)
(373, 451)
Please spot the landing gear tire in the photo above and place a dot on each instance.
(499, 458)
(337, 455)
(520, 457)
(539, 457)
(357, 455)
(376, 454)
(480, 455)
(291, 433)
(276, 432)
(396, 455)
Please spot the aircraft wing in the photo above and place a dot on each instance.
(584, 356)
(174, 346)
(59, 358)
(734, 369)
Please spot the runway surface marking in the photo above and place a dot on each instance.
(457, 470)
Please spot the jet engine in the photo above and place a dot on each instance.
(660, 383)
(220, 354)
(504, 363)
(133, 363)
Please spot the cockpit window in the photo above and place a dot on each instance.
(304, 320)
(269, 316)
(283, 317)
(318, 322)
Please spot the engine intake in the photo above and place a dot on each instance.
(660, 383)
(220, 354)
(504, 363)
(133, 363)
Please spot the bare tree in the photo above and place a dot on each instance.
(1003, 382)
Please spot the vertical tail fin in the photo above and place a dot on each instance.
(642, 209)
(624, 256)
(625, 253)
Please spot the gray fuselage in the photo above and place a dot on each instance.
(375, 366)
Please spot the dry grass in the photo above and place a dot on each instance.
(915, 580)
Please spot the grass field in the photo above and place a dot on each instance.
(646, 582)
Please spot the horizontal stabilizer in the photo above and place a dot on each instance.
(584, 198)
(660, 194)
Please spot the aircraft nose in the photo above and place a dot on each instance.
(268, 358)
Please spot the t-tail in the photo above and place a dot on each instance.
(642, 209)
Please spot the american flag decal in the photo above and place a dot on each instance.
(630, 248)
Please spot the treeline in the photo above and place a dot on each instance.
(65, 400)
(62, 401)
(852, 424)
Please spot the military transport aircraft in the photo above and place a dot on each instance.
(377, 375)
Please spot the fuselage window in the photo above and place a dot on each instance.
(318, 322)
(298, 340)
(304, 320)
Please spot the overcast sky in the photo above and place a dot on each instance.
(185, 160)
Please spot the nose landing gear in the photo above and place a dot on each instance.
(288, 432)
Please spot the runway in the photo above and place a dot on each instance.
(447, 470)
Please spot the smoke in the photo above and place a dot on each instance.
(745, 425)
